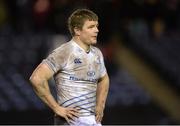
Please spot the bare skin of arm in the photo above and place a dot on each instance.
(102, 91)
(39, 80)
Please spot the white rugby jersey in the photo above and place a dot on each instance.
(76, 74)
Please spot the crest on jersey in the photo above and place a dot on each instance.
(91, 73)
(77, 61)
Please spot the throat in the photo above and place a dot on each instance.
(82, 45)
(87, 51)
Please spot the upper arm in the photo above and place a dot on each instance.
(104, 78)
(41, 73)
(103, 71)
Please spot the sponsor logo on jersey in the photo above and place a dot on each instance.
(73, 78)
(77, 61)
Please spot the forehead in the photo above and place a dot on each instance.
(89, 23)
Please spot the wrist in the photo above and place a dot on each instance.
(56, 108)
(102, 106)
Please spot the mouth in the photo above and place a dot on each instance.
(95, 37)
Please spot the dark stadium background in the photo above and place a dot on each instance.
(140, 41)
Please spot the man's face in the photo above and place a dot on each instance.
(88, 33)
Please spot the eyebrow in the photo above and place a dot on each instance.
(93, 25)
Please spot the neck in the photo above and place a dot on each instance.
(83, 45)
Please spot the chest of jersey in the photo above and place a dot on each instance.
(85, 67)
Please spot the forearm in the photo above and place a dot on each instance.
(41, 87)
(42, 90)
(102, 92)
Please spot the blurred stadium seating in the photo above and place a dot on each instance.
(27, 36)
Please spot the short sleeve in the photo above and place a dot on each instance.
(56, 60)
(102, 67)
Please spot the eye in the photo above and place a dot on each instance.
(91, 26)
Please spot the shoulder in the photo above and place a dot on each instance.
(63, 50)
(64, 47)
(96, 50)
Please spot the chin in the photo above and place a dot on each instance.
(93, 42)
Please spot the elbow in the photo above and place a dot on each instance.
(36, 80)
(33, 80)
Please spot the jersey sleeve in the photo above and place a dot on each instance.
(103, 70)
(56, 60)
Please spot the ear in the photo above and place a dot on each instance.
(77, 31)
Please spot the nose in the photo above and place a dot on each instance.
(96, 29)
